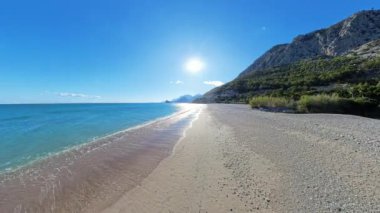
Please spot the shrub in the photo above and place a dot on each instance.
(365, 106)
(373, 64)
(321, 103)
(271, 102)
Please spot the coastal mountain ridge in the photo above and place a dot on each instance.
(357, 36)
(185, 98)
(336, 40)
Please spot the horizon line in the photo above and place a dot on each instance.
(84, 103)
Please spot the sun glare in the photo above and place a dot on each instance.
(194, 65)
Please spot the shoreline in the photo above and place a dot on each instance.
(88, 168)
(88, 143)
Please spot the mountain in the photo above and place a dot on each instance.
(338, 39)
(281, 70)
(186, 98)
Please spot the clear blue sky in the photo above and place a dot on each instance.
(135, 50)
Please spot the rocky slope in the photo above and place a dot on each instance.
(358, 35)
(368, 50)
(338, 39)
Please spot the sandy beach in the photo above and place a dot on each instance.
(149, 106)
(211, 158)
(234, 159)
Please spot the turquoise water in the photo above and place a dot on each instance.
(31, 131)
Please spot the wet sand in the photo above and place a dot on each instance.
(93, 176)
(234, 159)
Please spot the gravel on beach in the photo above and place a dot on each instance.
(235, 159)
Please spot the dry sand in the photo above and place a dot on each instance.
(241, 160)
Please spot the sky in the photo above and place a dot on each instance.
(138, 50)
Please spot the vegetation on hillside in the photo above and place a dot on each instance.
(343, 80)
(309, 77)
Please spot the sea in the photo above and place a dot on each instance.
(29, 132)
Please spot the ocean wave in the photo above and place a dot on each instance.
(18, 118)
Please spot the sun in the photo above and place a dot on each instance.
(194, 65)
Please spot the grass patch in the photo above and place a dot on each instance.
(335, 104)
(271, 102)
(322, 103)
